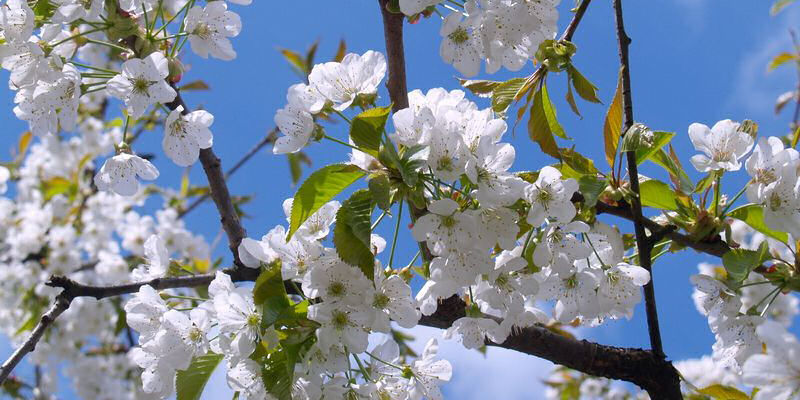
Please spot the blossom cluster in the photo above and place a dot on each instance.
(502, 33)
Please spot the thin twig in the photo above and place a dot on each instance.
(268, 139)
(643, 242)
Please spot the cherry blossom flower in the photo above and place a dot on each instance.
(118, 174)
(142, 84)
(209, 29)
(341, 82)
(723, 145)
(551, 197)
(185, 135)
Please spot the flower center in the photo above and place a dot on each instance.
(445, 163)
(448, 221)
(336, 289)
(459, 36)
(202, 30)
(340, 320)
(253, 320)
(140, 85)
(195, 334)
(381, 301)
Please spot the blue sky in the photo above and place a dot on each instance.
(691, 61)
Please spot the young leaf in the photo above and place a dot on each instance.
(753, 215)
(659, 140)
(571, 101)
(367, 129)
(550, 113)
(351, 235)
(321, 187)
(677, 175)
(480, 88)
(296, 61)
(578, 162)
(721, 392)
(189, 384)
(779, 5)
(270, 294)
(503, 95)
(658, 194)
(195, 85)
(341, 51)
(739, 262)
(587, 90)
(612, 128)
(539, 127)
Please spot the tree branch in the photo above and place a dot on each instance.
(643, 242)
(219, 191)
(268, 139)
(641, 367)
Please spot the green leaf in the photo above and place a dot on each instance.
(721, 392)
(678, 176)
(591, 188)
(277, 374)
(586, 89)
(612, 128)
(571, 101)
(503, 95)
(56, 186)
(195, 85)
(321, 187)
(189, 384)
(380, 188)
(753, 215)
(539, 127)
(578, 162)
(550, 113)
(659, 140)
(270, 294)
(367, 128)
(480, 88)
(739, 262)
(351, 235)
(658, 194)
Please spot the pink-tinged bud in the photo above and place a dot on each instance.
(176, 70)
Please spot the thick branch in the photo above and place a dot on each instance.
(219, 191)
(641, 367)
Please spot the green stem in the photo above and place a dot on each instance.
(344, 117)
(110, 71)
(361, 367)
(173, 36)
(396, 233)
(730, 203)
(125, 130)
(717, 184)
(383, 362)
(333, 139)
(112, 45)
(77, 35)
(377, 221)
(777, 293)
(754, 284)
(413, 260)
(172, 19)
(96, 89)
